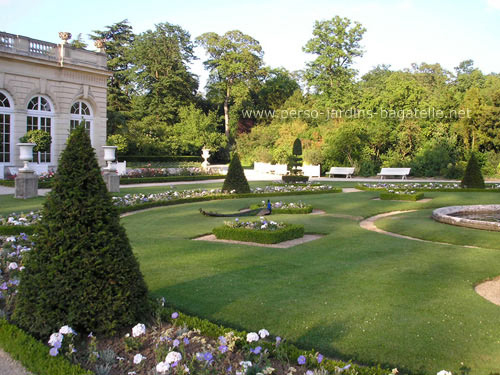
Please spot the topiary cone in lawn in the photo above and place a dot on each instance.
(473, 178)
(81, 270)
(235, 178)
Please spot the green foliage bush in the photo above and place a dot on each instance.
(473, 177)
(12, 230)
(144, 180)
(81, 271)
(158, 158)
(235, 178)
(40, 137)
(292, 179)
(290, 232)
(401, 197)
(33, 354)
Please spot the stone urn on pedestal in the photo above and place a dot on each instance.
(205, 154)
(26, 180)
(110, 175)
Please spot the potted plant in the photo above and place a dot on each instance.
(40, 138)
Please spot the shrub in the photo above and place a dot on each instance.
(473, 177)
(401, 196)
(292, 179)
(235, 179)
(289, 232)
(33, 354)
(295, 160)
(82, 271)
(40, 137)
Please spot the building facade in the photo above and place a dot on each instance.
(52, 87)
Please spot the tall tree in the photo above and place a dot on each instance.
(118, 39)
(234, 62)
(336, 43)
(161, 59)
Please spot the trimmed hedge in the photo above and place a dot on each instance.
(286, 211)
(290, 232)
(14, 230)
(290, 179)
(159, 158)
(34, 355)
(386, 196)
(460, 190)
(12, 183)
(473, 178)
(214, 330)
(173, 202)
(145, 180)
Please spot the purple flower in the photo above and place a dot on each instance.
(186, 341)
(208, 356)
(53, 352)
(223, 348)
(320, 358)
(176, 343)
(301, 360)
(256, 350)
(278, 340)
(222, 340)
(3, 286)
(175, 315)
(229, 369)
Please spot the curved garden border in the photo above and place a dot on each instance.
(443, 215)
(489, 289)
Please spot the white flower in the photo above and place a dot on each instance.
(138, 358)
(138, 330)
(245, 364)
(173, 357)
(263, 333)
(11, 239)
(444, 372)
(65, 330)
(186, 369)
(252, 336)
(162, 367)
(55, 337)
(13, 266)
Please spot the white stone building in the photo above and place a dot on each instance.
(50, 87)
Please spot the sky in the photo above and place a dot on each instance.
(399, 32)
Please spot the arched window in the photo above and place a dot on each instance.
(6, 109)
(81, 111)
(40, 115)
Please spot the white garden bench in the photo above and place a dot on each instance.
(348, 171)
(403, 172)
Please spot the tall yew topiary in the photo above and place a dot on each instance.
(81, 270)
(235, 178)
(473, 178)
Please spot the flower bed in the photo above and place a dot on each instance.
(262, 231)
(19, 223)
(286, 208)
(144, 180)
(401, 195)
(430, 186)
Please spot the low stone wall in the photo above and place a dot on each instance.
(443, 215)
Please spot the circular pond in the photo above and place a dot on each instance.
(485, 217)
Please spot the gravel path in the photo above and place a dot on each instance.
(9, 366)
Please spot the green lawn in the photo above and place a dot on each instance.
(352, 294)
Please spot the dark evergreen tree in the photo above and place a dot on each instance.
(81, 270)
(473, 178)
(235, 178)
(295, 160)
(297, 147)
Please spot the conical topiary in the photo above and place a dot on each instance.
(473, 178)
(81, 270)
(235, 178)
(297, 147)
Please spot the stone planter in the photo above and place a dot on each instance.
(26, 154)
(109, 156)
